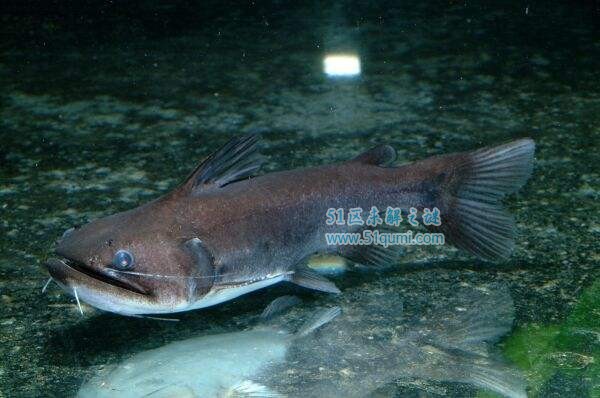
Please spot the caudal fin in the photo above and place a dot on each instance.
(486, 314)
(501, 380)
(478, 370)
(456, 334)
(473, 218)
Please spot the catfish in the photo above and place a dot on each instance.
(225, 232)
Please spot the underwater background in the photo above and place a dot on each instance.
(106, 105)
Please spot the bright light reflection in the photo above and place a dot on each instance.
(342, 65)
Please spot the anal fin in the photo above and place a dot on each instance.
(317, 320)
(278, 306)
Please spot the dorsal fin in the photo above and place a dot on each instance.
(237, 159)
(381, 155)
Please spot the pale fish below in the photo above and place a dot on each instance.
(447, 343)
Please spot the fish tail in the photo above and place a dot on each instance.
(475, 369)
(471, 186)
(486, 314)
(458, 334)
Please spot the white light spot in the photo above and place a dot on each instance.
(342, 65)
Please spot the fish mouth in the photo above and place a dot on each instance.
(68, 272)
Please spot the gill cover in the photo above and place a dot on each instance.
(203, 275)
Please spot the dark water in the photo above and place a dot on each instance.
(107, 106)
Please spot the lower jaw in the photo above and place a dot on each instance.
(69, 273)
(109, 302)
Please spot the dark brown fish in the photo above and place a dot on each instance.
(223, 233)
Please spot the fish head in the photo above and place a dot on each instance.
(135, 262)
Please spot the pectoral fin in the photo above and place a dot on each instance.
(278, 306)
(317, 320)
(305, 277)
(250, 389)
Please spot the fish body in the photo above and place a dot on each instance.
(354, 356)
(216, 366)
(224, 233)
(220, 363)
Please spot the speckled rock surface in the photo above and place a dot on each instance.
(97, 120)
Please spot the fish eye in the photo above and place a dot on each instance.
(123, 260)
